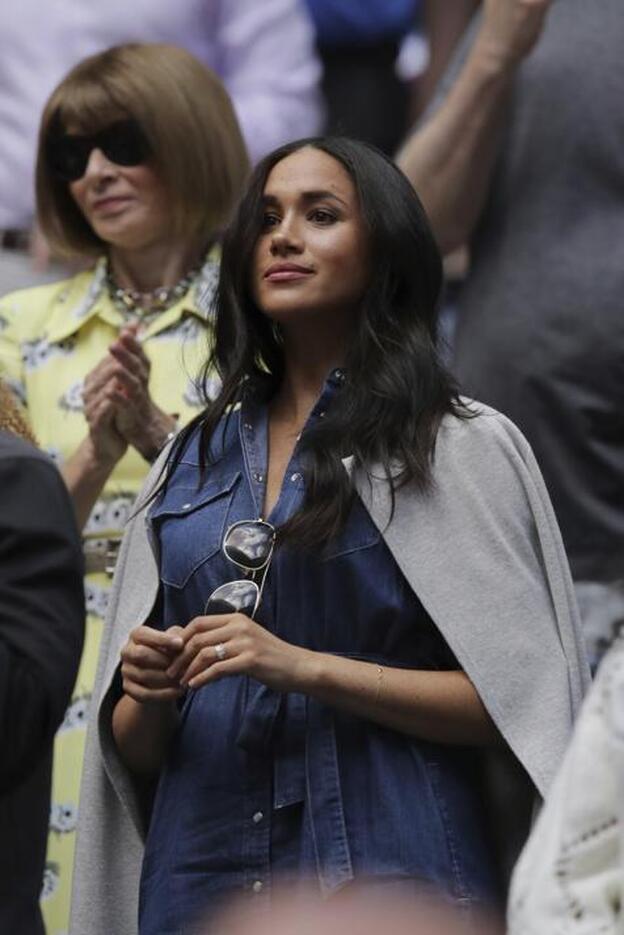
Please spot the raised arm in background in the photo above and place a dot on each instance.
(449, 159)
(443, 25)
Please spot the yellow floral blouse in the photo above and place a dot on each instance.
(50, 337)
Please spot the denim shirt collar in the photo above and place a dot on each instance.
(253, 429)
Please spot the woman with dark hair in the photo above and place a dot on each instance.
(350, 582)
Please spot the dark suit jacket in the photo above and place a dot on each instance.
(41, 633)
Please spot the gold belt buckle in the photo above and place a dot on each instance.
(112, 553)
(101, 555)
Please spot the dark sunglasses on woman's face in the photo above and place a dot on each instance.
(122, 142)
(249, 545)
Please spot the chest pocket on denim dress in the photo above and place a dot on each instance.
(191, 524)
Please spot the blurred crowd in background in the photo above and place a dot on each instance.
(506, 116)
(364, 70)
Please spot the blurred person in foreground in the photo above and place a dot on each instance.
(41, 632)
(140, 163)
(321, 627)
(522, 159)
(262, 50)
(356, 909)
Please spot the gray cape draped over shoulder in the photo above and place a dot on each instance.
(482, 551)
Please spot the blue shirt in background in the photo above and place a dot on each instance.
(359, 22)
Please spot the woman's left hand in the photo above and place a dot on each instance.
(233, 644)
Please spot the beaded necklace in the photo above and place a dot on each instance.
(132, 303)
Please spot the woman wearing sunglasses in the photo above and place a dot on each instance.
(140, 162)
(350, 586)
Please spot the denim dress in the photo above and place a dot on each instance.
(261, 787)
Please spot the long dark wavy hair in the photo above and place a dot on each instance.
(396, 390)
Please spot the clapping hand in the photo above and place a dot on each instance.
(100, 409)
(118, 405)
(138, 419)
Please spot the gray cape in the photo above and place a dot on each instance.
(483, 553)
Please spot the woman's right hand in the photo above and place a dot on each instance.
(108, 444)
(145, 658)
(88, 469)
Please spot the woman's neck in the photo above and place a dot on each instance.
(149, 268)
(308, 361)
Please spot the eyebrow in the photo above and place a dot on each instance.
(320, 194)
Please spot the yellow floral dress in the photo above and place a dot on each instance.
(50, 338)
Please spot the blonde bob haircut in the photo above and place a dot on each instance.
(187, 118)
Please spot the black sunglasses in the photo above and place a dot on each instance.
(248, 544)
(122, 142)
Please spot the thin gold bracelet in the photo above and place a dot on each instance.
(380, 673)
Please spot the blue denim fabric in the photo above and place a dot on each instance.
(259, 784)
